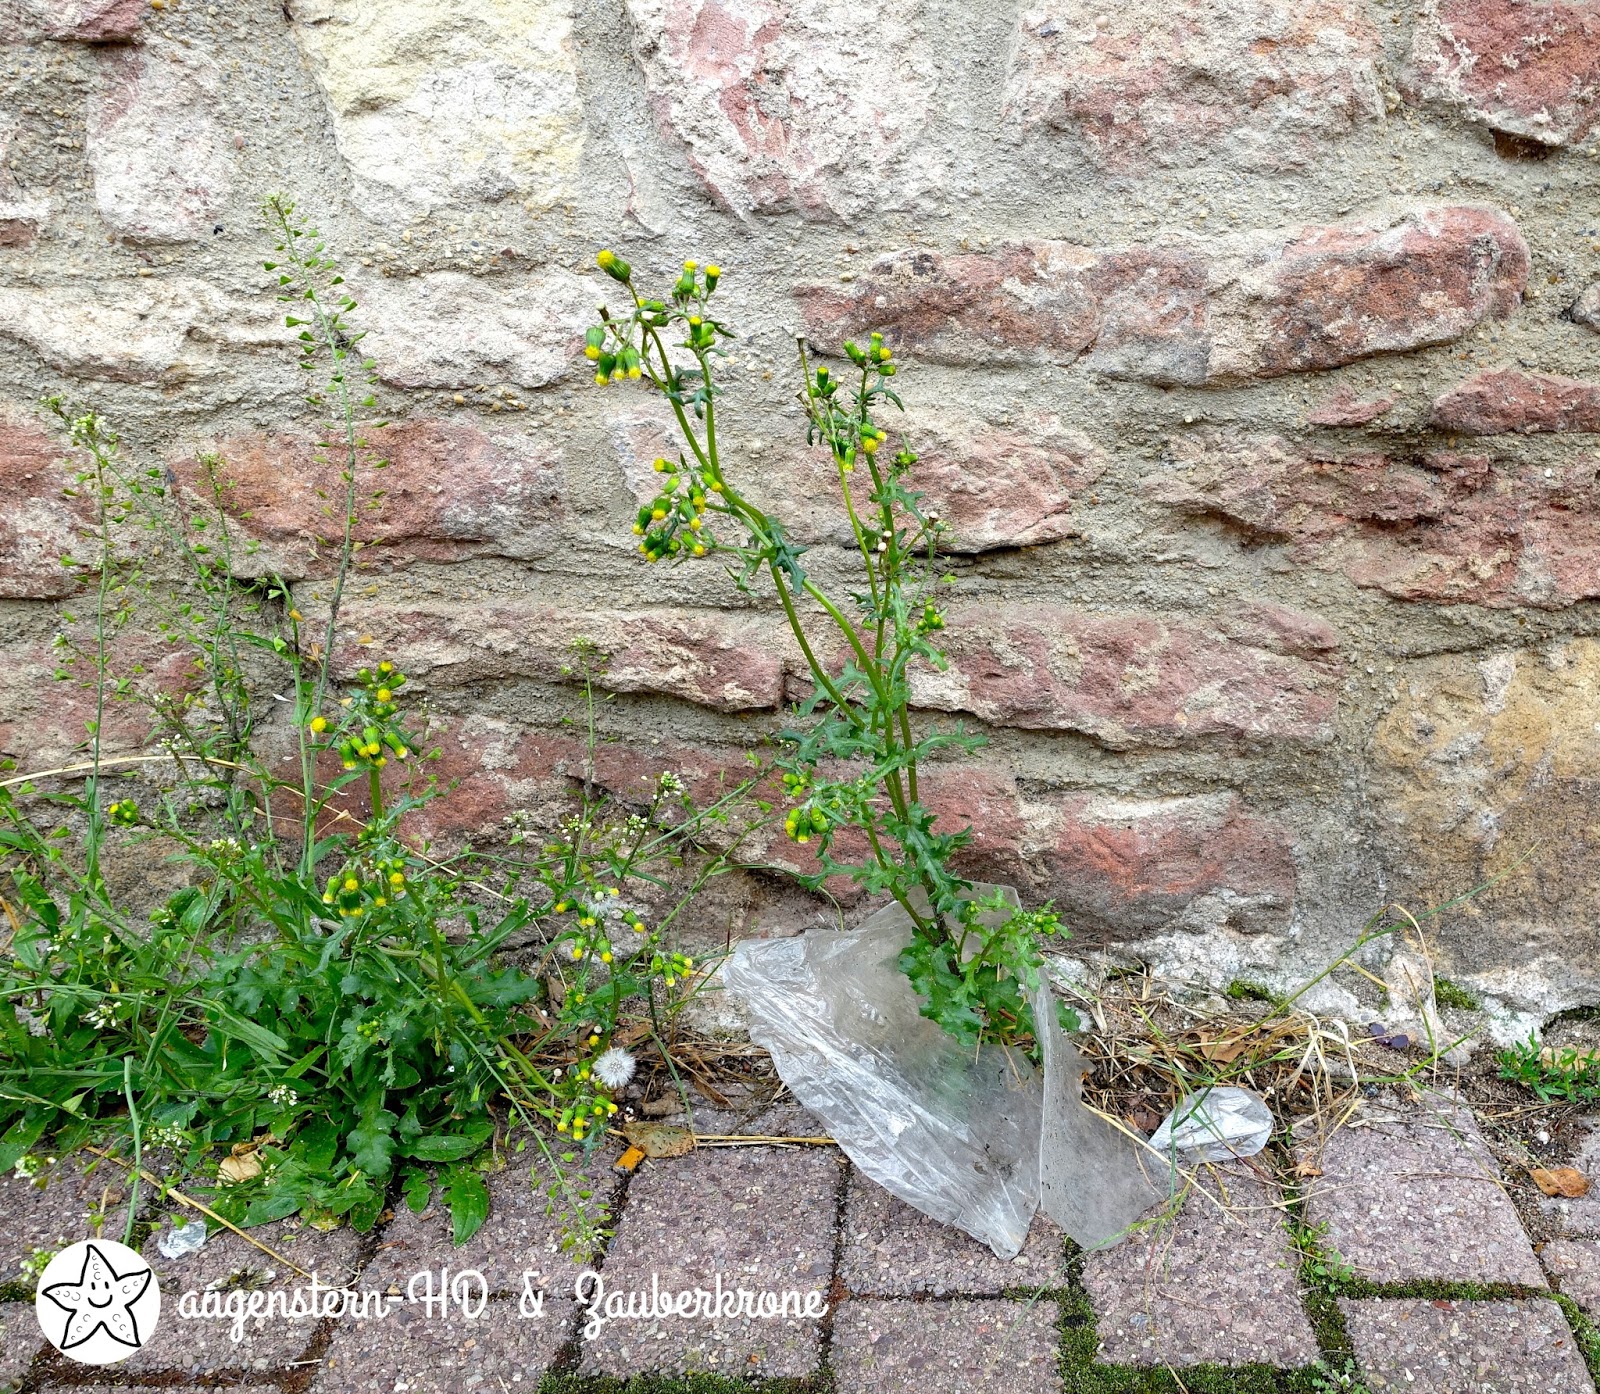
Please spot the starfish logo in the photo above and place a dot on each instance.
(97, 1302)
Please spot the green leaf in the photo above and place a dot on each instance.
(371, 1143)
(21, 1135)
(443, 1147)
(418, 1190)
(468, 1199)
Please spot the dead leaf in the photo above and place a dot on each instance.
(1560, 1181)
(238, 1168)
(659, 1139)
(1307, 1168)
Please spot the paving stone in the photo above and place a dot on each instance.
(20, 1340)
(57, 1207)
(762, 1219)
(425, 1354)
(1416, 1195)
(1438, 1347)
(1575, 1265)
(995, 1347)
(229, 1264)
(517, 1238)
(893, 1250)
(1216, 1286)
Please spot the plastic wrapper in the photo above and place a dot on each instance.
(1215, 1126)
(958, 1133)
(182, 1240)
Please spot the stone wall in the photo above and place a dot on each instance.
(1251, 348)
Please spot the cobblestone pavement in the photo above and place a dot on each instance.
(1387, 1257)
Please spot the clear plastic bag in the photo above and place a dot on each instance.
(957, 1133)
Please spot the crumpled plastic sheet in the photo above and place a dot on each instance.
(182, 1240)
(974, 1138)
(1216, 1125)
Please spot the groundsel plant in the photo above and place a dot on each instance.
(299, 1001)
(972, 959)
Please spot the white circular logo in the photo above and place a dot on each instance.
(97, 1301)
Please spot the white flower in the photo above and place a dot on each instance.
(614, 1067)
(282, 1095)
(669, 783)
(101, 1016)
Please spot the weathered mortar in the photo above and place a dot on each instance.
(1255, 677)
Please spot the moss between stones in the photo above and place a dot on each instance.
(1449, 994)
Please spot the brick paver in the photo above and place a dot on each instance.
(20, 1340)
(762, 1218)
(1414, 1194)
(1439, 1347)
(1216, 1286)
(519, 1237)
(893, 1250)
(415, 1353)
(58, 1207)
(956, 1347)
(229, 1264)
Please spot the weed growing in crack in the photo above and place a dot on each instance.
(326, 1016)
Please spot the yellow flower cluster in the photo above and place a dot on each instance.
(368, 733)
(358, 891)
(673, 523)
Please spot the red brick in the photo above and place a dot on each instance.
(1022, 302)
(1344, 408)
(1441, 526)
(39, 525)
(1121, 868)
(1117, 868)
(1224, 310)
(726, 662)
(1132, 680)
(43, 719)
(1507, 399)
(87, 21)
(997, 486)
(1529, 70)
(449, 491)
(1264, 86)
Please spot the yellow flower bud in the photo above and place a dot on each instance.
(691, 266)
(319, 724)
(351, 884)
(384, 695)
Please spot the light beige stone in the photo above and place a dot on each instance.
(1484, 768)
(163, 166)
(448, 329)
(440, 105)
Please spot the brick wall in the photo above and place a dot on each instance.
(1254, 353)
